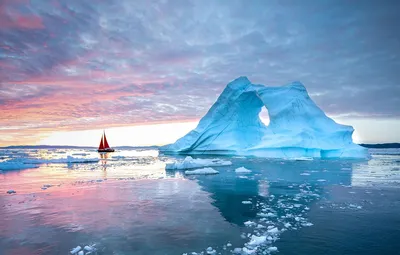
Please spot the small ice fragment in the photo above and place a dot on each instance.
(210, 250)
(249, 223)
(237, 250)
(242, 170)
(321, 180)
(88, 248)
(248, 251)
(11, 191)
(190, 162)
(272, 249)
(228, 244)
(287, 225)
(273, 231)
(257, 240)
(81, 253)
(75, 250)
(246, 202)
(203, 171)
(304, 174)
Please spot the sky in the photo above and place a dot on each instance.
(147, 71)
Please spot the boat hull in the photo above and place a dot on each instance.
(105, 150)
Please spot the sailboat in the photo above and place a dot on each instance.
(104, 147)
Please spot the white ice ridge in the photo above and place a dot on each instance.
(25, 163)
(298, 127)
(190, 162)
(202, 171)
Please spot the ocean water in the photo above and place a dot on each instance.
(127, 203)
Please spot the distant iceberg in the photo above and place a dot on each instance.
(298, 127)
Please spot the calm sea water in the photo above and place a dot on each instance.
(129, 204)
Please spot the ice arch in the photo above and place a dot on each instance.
(298, 127)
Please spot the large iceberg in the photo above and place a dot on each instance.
(297, 128)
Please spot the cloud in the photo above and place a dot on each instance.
(128, 63)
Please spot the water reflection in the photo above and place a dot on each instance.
(274, 178)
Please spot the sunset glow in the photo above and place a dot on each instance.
(72, 66)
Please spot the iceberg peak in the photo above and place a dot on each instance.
(298, 127)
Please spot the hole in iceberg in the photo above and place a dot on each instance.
(264, 116)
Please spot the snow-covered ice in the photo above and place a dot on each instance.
(202, 171)
(298, 128)
(257, 240)
(190, 162)
(242, 170)
(75, 250)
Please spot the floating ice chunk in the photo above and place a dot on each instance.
(89, 248)
(272, 249)
(249, 223)
(81, 253)
(257, 240)
(321, 180)
(307, 224)
(303, 159)
(190, 162)
(203, 171)
(80, 154)
(75, 250)
(266, 215)
(228, 244)
(287, 225)
(15, 165)
(237, 250)
(248, 251)
(211, 251)
(273, 231)
(305, 174)
(11, 191)
(246, 202)
(242, 170)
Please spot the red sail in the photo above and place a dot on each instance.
(105, 142)
(101, 146)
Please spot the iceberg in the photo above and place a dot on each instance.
(190, 162)
(298, 127)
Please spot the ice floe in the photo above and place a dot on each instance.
(11, 191)
(202, 171)
(26, 163)
(190, 162)
(87, 250)
(14, 165)
(242, 170)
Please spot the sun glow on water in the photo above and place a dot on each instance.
(146, 135)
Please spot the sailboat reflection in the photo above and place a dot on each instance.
(104, 157)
